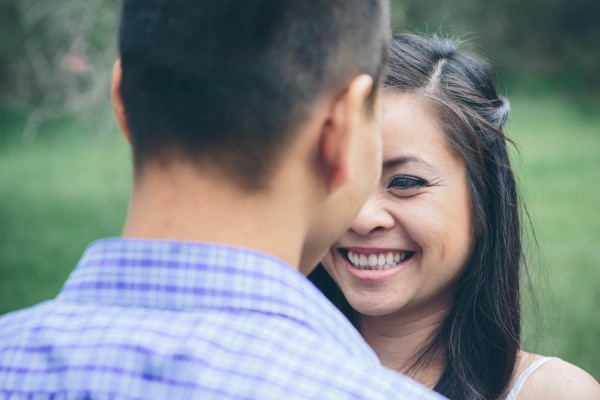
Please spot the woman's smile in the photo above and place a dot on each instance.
(372, 264)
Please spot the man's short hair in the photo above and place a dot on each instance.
(229, 82)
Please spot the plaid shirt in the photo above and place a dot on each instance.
(142, 319)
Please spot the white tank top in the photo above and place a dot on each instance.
(518, 385)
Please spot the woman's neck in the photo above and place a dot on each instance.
(399, 340)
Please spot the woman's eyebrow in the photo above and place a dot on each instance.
(398, 161)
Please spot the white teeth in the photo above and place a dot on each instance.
(372, 260)
(389, 259)
(363, 260)
(378, 261)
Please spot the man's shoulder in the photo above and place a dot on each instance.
(350, 379)
(288, 361)
(14, 321)
(201, 353)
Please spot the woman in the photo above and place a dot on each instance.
(430, 267)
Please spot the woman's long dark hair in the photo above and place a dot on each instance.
(480, 336)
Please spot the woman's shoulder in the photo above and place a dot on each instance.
(552, 378)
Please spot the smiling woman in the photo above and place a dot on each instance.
(419, 216)
(429, 270)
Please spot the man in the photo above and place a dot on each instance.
(254, 136)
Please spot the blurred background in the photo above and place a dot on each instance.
(65, 174)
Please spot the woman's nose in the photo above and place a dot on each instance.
(372, 217)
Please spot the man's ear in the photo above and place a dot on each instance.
(117, 99)
(341, 129)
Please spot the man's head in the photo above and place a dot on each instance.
(228, 82)
(233, 87)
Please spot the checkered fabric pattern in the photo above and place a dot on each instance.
(151, 319)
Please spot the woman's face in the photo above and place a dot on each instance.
(413, 237)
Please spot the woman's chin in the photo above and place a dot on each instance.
(372, 309)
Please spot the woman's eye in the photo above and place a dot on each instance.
(406, 182)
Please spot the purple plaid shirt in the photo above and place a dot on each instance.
(143, 319)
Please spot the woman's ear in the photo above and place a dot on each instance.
(117, 99)
(342, 129)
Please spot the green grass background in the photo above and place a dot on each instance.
(69, 186)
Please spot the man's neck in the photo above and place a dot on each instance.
(179, 203)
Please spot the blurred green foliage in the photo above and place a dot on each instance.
(55, 55)
(557, 165)
(552, 38)
(57, 194)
